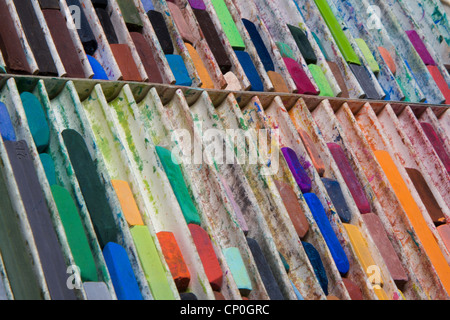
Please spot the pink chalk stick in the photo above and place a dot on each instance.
(437, 144)
(300, 78)
(237, 209)
(440, 82)
(420, 47)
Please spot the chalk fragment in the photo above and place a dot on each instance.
(238, 270)
(337, 197)
(299, 173)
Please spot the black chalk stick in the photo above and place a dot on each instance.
(366, 83)
(100, 3)
(84, 32)
(303, 44)
(107, 25)
(160, 27)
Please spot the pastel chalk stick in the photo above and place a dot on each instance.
(297, 293)
(278, 82)
(373, 64)
(363, 77)
(188, 296)
(179, 187)
(301, 80)
(160, 28)
(38, 214)
(84, 29)
(219, 296)
(207, 255)
(303, 44)
(250, 70)
(49, 168)
(100, 3)
(312, 152)
(353, 290)
(93, 190)
(267, 277)
(420, 47)
(321, 81)
(390, 257)
(124, 58)
(337, 197)
(233, 83)
(96, 291)
(151, 264)
(260, 47)
(317, 264)
(321, 47)
(174, 259)
(338, 34)
(388, 59)
(49, 4)
(128, 203)
(76, 236)
(37, 121)
(130, 15)
(10, 43)
(339, 78)
(301, 177)
(237, 210)
(380, 293)
(440, 82)
(6, 127)
(444, 233)
(147, 57)
(107, 25)
(200, 67)
(121, 272)
(328, 234)
(179, 70)
(212, 38)
(64, 44)
(238, 270)
(426, 195)
(97, 68)
(349, 177)
(437, 143)
(285, 50)
(182, 26)
(148, 5)
(228, 25)
(293, 208)
(197, 4)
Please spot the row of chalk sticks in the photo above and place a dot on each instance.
(352, 203)
(393, 50)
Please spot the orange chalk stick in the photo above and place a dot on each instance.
(200, 67)
(127, 202)
(278, 82)
(174, 259)
(312, 151)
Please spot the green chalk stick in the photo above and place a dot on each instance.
(228, 25)
(179, 187)
(321, 81)
(76, 236)
(238, 270)
(338, 34)
(49, 168)
(319, 43)
(285, 50)
(368, 55)
(36, 120)
(151, 263)
(130, 15)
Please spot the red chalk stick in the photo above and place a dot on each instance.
(385, 247)
(124, 58)
(174, 259)
(300, 78)
(437, 144)
(440, 82)
(353, 290)
(207, 255)
(350, 178)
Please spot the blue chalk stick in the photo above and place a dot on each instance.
(238, 270)
(316, 262)
(297, 293)
(36, 120)
(337, 197)
(6, 126)
(179, 70)
(49, 168)
(121, 272)
(300, 175)
(99, 72)
(328, 234)
(148, 5)
(260, 47)
(250, 70)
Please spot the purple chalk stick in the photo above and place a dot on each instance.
(420, 47)
(300, 77)
(197, 4)
(300, 175)
(235, 206)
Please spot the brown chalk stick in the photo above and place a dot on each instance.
(147, 57)
(124, 59)
(339, 78)
(278, 82)
(49, 4)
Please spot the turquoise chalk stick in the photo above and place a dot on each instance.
(179, 70)
(6, 126)
(316, 262)
(99, 72)
(250, 70)
(328, 234)
(238, 270)
(49, 168)
(36, 120)
(121, 272)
